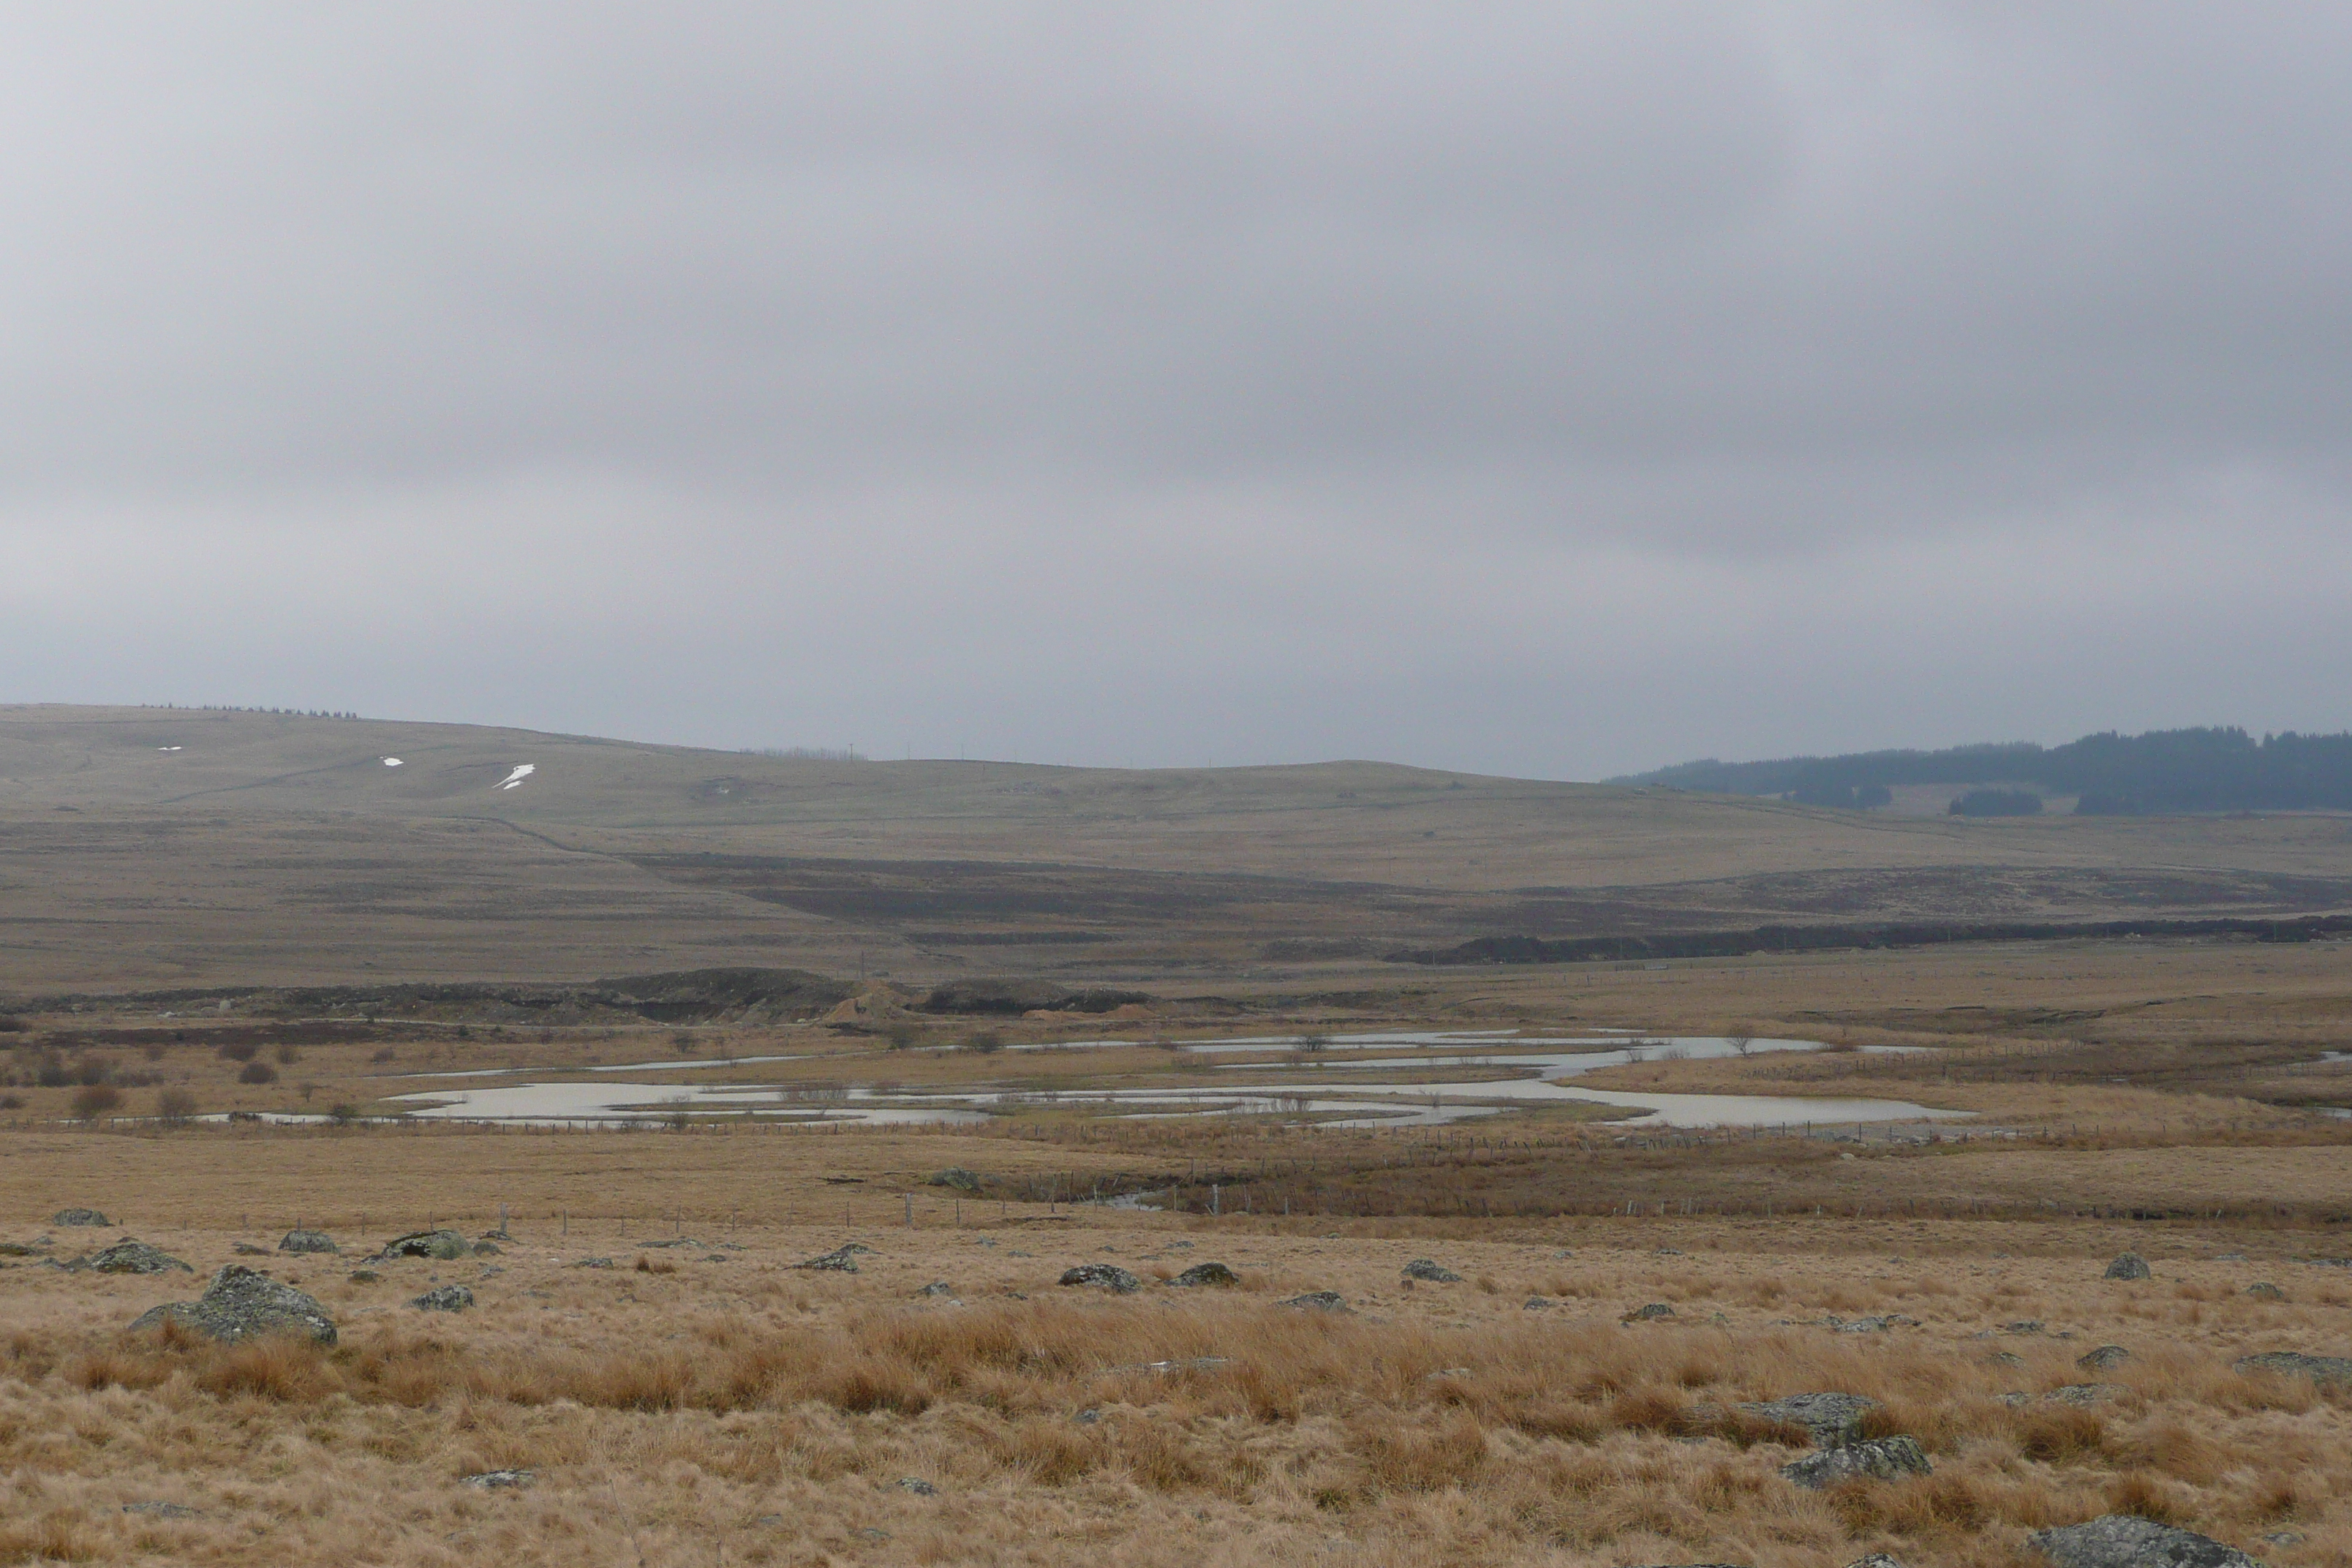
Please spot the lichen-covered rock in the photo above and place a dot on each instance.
(2127, 1541)
(2263, 1291)
(127, 1257)
(2294, 1363)
(444, 1299)
(499, 1480)
(301, 1240)
(1435, 1273)
(445, 1245)
(1207, 1274)
(246, 1249)
(2106, 1358)
(1650, 1314)
(1103, 1277)
(841, 1259)
(1881, 1458)
(79, 1216)
(958, 1178)
(1832, 1420)
(2130, 1265)
(1319, 1301)
(487, 1249)
(240, 1304)
(593, 1263)
(2083, 1395)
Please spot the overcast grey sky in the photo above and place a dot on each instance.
(1545, 389)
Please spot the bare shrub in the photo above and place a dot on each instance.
(95, 1100)
(258, 1073)
(239, 1051)
(174, 1107)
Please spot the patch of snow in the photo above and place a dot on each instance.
(393, 763)
(514, 780)
(167, 748)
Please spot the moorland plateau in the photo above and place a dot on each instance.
(231, 942)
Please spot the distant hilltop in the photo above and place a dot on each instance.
(2108, 774)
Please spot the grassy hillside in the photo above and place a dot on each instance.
(161, 845)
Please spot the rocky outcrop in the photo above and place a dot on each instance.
(840, 1260)
(2294, 1363)
(2106, 1358)
(1435, 1273)
(1832, 1420)
(241, 1304)
(444, 1299)
(79, 1216)
(1881, 1458)
(445, 1245)
(1207, 1274)
(956, 1176)
(1103, 1277)
(301, 1240)
(1319, 1301)
(2127, 1541)
(127, 1257)
(2130, 1265)
(1650, 1314)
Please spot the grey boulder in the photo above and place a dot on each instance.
(444, 1299)
(841, 1259)
(137, 1257)
(1319, 1301)
(2106, 1358)
(2294, 1363)
(1103, 1277)
(301, 1240)
(79, 1216)
(1832, 1420)
(445, 1245)
(1881, 1458)
(240, 1304)
(1435, 1272)
(2127, 1541)
(2130, 1265)
(1207, 1274)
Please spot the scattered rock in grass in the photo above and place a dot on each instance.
(240, 1304)
(936, 1288)
(2129, 1265)
(2013, 1398)
(1650, 1314)
(671, 1241)
(1181, 1364)
(445, 1245)
(1881, 1458)
(2127, 1541)
(1435, 1273)
(1089, 1416)
(955, 1176)
(364, 1276)
(444, 1299)
(246, 1249)
(1876, 1559)
(1319, 1301)
(2294, 1363)
(2082, 1396)
(593, 1263)
(1832, 1419)
(2106, 1358)
(2023, 1326)
(1207, 1274)
(1179, 1247)
(1838, 1325)
(496, 1480)
(487, 1249)
(2007, 1358)
(127, 1257)
(1102, 1277)
(162, 1509)
(840, 1260)
(2263, 1291)
(919, 1486)
(79, 1216)
(1535, 1303)
(301, 1240)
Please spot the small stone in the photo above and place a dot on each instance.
(2023, 1326)
(364, 1276)
(593, 1263)
(2263, 1291)
(2129, 1265)
(162, 1509)
(2127, 1541)
(1089, 1416)
(1876, 1559)
(1832, 1419)
(936, 1288)
(1435, 1273)
(1881, 1458)
(246, 1249)
(840, 1260)
(919, 1486)
(1212, 1274)
(1102, 1277)
(301, 1240)
(240, 1304)
(1534, 1303)
(2106, 1358)
(1319, 1301)
(2294, 1363)
(444, 1298)
(2007, 1358)
(127, 1257)
(496, 1480)
(2013, 1399)
(79, 1216)
(1650, 1314)
(2082, 1396)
